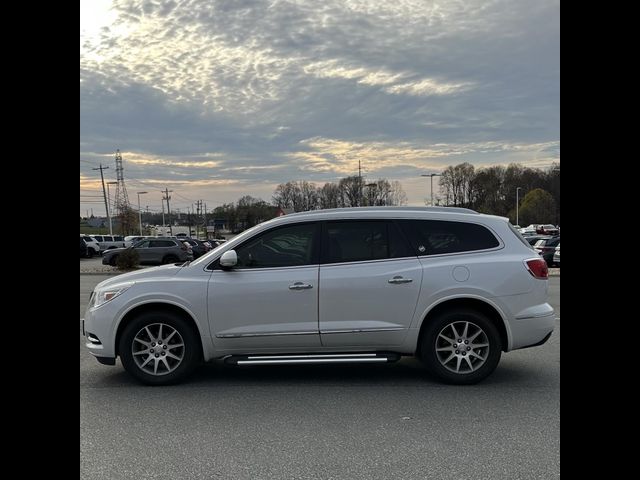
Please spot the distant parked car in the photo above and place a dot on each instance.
(131, 239)
(546, 248)
(108, 242)
(530, 230)
(199, 247)
(93, 247)
(155, 251)
(83, 248)
(547, 229)
(533, 239)
(556, 256)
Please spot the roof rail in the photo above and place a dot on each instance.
(412, 209)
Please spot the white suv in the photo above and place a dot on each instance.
(364, 285)
(93, 247)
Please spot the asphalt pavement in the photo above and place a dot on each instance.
(324, 422)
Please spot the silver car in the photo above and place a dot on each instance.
(350, 285)
(556, 256)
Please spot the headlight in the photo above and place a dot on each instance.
(102, 296)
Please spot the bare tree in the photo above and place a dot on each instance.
(308, 196)
(329, 196)
(457, 184)
(351, 190)
(285, 195)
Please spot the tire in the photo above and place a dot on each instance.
(90, 252)
(472, 367)
(113, 260)
(170, 259)
(141, 335)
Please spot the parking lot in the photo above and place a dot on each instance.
(321, 422)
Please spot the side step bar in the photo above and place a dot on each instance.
(312, 358)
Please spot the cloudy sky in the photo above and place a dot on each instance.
(219, 99)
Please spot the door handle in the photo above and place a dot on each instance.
(300, 286)
(398, 279)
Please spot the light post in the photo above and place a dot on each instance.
(140, 211)
(432, 175)
(517, 204)
(109, 204)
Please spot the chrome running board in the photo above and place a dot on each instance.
(319, 358)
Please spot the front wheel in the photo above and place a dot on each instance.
(159, 348)
(461, 346)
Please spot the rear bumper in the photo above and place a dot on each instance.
(532, 330)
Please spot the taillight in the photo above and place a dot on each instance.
(538, 268)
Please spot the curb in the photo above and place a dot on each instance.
(101, 273)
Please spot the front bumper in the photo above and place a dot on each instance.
(95, 347)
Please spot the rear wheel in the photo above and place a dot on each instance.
(170, 259)
(461, 346)
(159, 348)
(113, 260)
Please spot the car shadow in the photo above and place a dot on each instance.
(407, 372)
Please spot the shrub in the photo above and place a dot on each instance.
(128, 259)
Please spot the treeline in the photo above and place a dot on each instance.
(245, 213)
(492, 190)
(302, 196)
(351, 191)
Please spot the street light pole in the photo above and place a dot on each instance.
(517, 205)
(109, 202)
(140, 211)
(432, 175)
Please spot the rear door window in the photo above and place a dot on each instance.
(359, 241)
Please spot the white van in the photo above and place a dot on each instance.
(107, 242)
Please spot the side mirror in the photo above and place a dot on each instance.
(229, 259)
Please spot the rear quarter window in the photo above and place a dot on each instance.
(437, 237)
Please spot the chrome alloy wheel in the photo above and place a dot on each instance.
(462, 347)
(158, 349)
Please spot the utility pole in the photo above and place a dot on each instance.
(104, 193)
(432, 175)
(163, 224)
(109, 201)
(189, 219)
(517, 204)
(206, 232)
(360, 183)
(167, 197)
(198, 207)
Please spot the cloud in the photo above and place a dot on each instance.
(428, 87)
(222, 98)
(341, 156)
